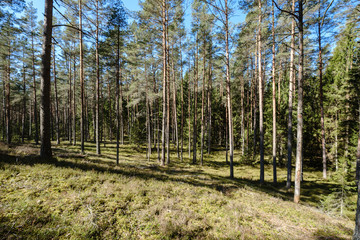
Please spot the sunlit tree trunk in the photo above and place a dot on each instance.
(291, 87)
(273, 95)
(57, 118)
(261, 113)
(45, 85)
(299, 135)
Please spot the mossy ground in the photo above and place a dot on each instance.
(76, 196)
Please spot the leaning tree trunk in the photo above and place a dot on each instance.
(45, 85)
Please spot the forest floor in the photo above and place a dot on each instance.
(77, 196)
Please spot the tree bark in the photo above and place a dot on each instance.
(195, 101)
(45, 85)
(299, 135)
(228, 93)
(323, 145)
(24, 103)
(291, 86)
(203, 105)
(57, 118)
(164, 82)
(97, 117)
(82, 89)
(261, 112)
(274, 96)
(117, 94)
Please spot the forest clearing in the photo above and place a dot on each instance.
(77, 196)
(180, 119)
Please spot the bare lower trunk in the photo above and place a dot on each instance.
(97, 108)
(45, 85)
(291, 83)
(81, 80)
(57, 118)
(261, 113)
(299, 135)
(274, 96)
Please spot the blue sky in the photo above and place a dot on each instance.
(133, 5)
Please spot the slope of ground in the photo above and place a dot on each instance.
(87, 196)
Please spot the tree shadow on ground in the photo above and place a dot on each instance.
(189, 175)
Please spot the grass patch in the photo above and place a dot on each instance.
(77, 196)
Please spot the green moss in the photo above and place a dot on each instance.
(90, 197)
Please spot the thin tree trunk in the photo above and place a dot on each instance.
(74, 103)
(291, 83)
(70, 102)
(323, 145)
(299, 135)
(117, 94)
(274, 95)
(110, 111)
(242, 133)
(261, 112)
(182, 103)
(189, 112)
(228, 93)
(82, 89)
(195, 101)
(45, 85)
(164, 82)
(56, 101)
(209, 96)
(97, 123)
(203, 106)
(7, 98)
(34, 91)
(24, 103)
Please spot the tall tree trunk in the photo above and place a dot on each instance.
(189, 114)
(97, 123)
(209, 96)
(110, 110)
(74, 103)
(182, 103)
(24, 103)
(174, 107)
(82, 89)
(242, 133)
(164, 82)
(261, 112)
(195, 101)
(70, 102)
(323, 145)
(45, 85)
(273, 95)
(57, 118)
(299, 135)
(291, 87)
(203, 105)
(228, 93)
(34, 90)
(7, 98)
(117, 94)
